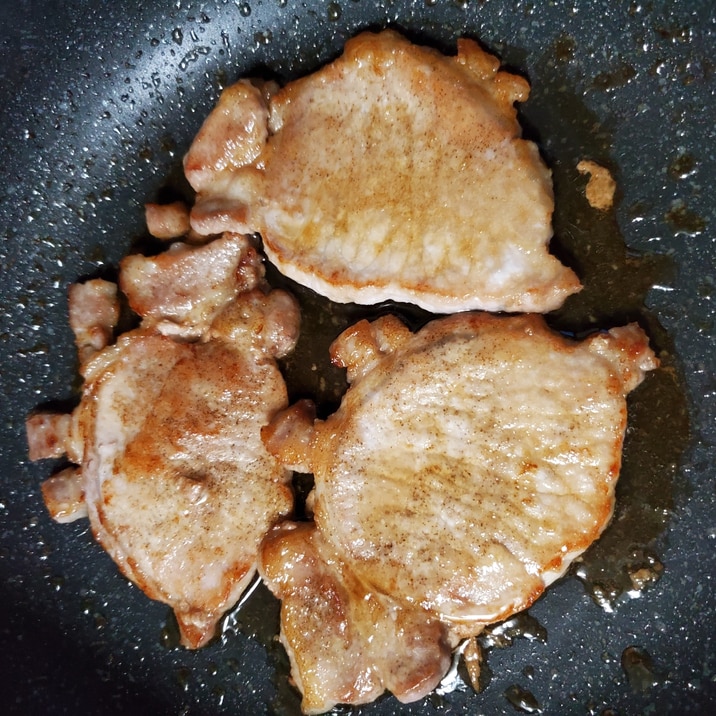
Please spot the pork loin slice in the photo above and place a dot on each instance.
(468, 463)
(394, 172)
(179, 488)
(346, 643)
(172, 472)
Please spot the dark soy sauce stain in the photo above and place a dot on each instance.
(683, 166)
(564, 47)
(619, 76)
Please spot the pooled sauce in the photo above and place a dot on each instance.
(522, 625)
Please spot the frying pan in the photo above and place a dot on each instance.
(99, 102)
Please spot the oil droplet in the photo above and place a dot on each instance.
(177, 35)
(57, 582)
(684, 221)
(639, 669)
(522, 700)
(333, 11)
(219, 693)
(183, 676)
(100, 620)
(263, 38)
(620, 76)
(503, 634)
(233, 665)
(245, 9)
(564, 48)
(437, 701)
(683, 166)
(431, 3)
(604, 595)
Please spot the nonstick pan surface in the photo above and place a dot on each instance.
(99, 103)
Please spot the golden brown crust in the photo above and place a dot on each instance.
(471, 462)
(394, 172)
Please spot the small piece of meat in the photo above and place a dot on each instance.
(288, 436)
(346, 644)
(600, 187)
(394, 172)
(64, 497)
(167, 221)
(94, 312)
(183, 289)
(179, 488)
(268, 322)
(234, 138)
(471, 462)
(473, 660)
(48, 434)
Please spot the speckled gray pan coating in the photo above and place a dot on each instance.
(98, 103)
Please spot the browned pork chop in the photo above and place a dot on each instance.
(346, 643)
(177, 483)
(468, 464)
(392, 173)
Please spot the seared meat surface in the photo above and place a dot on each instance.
(346, 642)
(392, 173)
(468, 464)
(94, 312)
(167, 221)
(173, 474)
